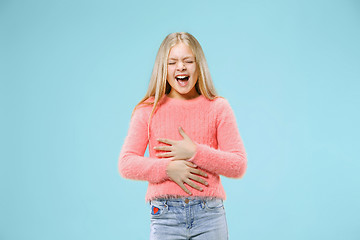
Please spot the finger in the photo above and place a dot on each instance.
(163, 148)
(182, 132)
(193, 185)
(181, 184)
(165, 154)
(167, 141)
(198, 179)
(199, 172)
(190, 164)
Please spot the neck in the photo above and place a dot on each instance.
(188, 96)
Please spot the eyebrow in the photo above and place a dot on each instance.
(183, 58)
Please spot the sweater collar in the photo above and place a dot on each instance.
(183, 101)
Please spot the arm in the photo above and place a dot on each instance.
(230, 158)
(132, 163)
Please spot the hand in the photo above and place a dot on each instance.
(181, 172)
(179, 150)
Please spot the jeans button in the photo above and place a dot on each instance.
(186, 201)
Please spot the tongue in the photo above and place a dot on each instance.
(182, 82)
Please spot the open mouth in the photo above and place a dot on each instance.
(182, 80)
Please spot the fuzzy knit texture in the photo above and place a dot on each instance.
(211, 125)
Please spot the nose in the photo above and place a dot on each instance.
(181, 65)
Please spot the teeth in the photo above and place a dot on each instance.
(181, 77)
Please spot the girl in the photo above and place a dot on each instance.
(193, 139)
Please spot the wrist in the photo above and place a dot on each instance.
(167, 169)
(193, 152)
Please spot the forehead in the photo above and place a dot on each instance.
(180, 50)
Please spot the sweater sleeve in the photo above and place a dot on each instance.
(230, 158)
(132, 164)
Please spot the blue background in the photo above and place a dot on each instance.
(72, 71)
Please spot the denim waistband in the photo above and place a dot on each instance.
(185, 200)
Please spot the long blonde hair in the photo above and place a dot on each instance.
(159, 86)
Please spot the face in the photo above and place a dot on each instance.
(182, 73)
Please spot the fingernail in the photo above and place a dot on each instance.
(206, 183)
(201, 189)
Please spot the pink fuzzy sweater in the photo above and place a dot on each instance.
(211, 124)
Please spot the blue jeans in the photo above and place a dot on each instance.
(188, 218)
